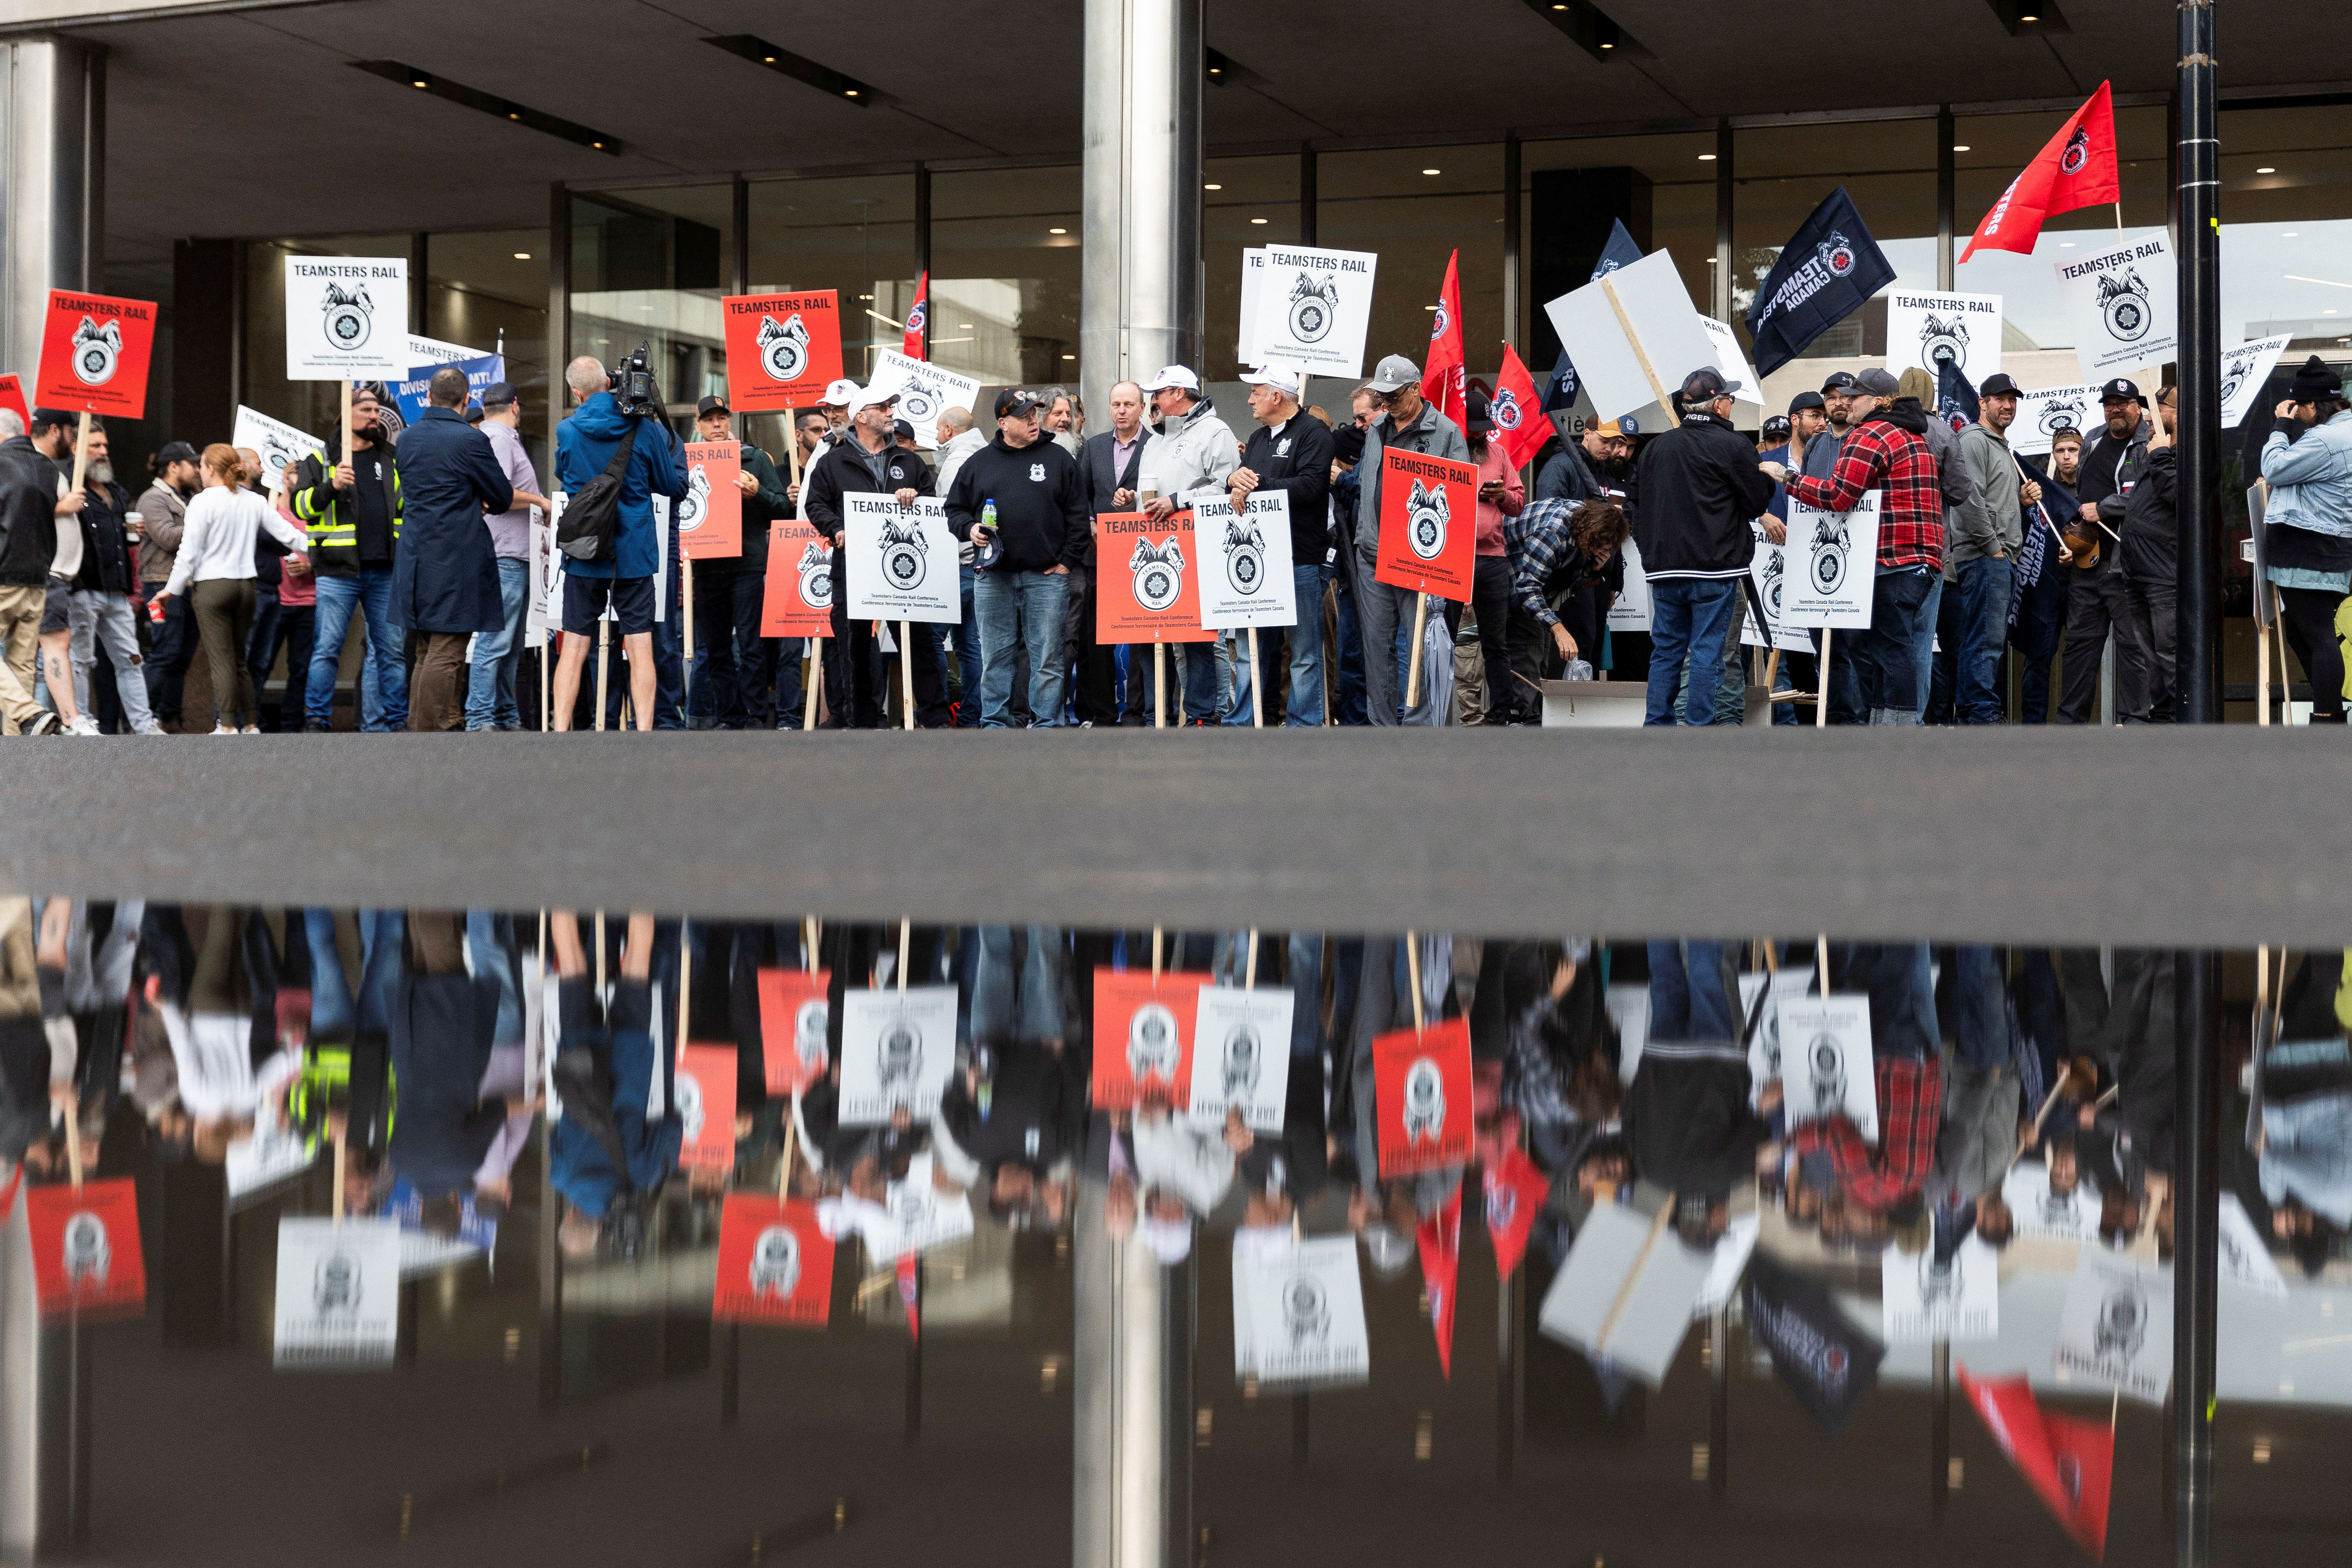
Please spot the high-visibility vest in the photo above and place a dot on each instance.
(332, 525)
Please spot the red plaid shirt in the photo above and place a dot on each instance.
(1886, 457)
(1910, 1110)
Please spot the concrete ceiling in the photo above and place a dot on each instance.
(252, 122)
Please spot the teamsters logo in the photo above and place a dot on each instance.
(335, 1286)
(348, 316)
(1836, 253)
(783, 348)
(1314, 306)
(1304, 1312)
(1827, 1060)
(95, 350)
(696, 503)
(816, 576)
(1440, 321)
(2124, 301)
(1426, 513)
(1245, 557)
(1831, 544)
(86, 1254)
(917, 403)
(2077, 153)
(903, 553)
(2233, 376)
(1776, 573)
(1502, 1202)
(809, 1023)
(1424, 1101)
(901, 1060)
(776, 1262)
(1159, 574)
(1241, 1063)
(1506, 410)
(1943, 343)
(2061, 414)
(1152, 1043)
(918, 318)
(2122, 1324)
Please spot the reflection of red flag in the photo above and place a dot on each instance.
(1515, 1192)
(1519, 423)
(919, 319)
(2069, 1464)
(2077, 169)
(1444, 381)
(910, 1292)
(1440, 1236)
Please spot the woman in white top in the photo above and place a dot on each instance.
(217, 555)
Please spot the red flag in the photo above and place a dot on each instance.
(2070, 1464)
(910, 1291)
(1517, 413)
(1516, 1191)
(919, 319)
(1444, 381)
(1440, 1236)
(2077, 169)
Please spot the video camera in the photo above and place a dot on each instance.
(633, 386)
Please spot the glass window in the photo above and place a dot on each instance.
(1245, 203)
(854, 236)
(1005, 274)
(2285, 175)
(1661, 186)
(1413, 207)
(648, 267)
(487, 289)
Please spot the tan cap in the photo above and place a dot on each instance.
(1611, 430)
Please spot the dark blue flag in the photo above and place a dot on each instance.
(1560, 392)
(1827, 1363)
(2037, 597)
(1830, 265)
(1956, 400)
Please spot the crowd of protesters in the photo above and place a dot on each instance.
(423, 532)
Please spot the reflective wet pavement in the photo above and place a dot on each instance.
(1030, 1243)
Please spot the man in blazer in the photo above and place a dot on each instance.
(1111, 463)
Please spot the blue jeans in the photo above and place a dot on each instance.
(1204, 686)
(384, 670)
(1690, 618)
(1020, 1001)
(1984, 627)
(1350, 709)
(1689, 997)
(1892, 658)
(965, 635)
(491, 683)
(336, 1015)
(1306, 647)
(1031, 609)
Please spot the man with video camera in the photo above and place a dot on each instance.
(613, 410)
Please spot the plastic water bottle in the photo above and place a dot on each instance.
(992, 549)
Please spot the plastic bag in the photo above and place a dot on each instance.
(1578, 670)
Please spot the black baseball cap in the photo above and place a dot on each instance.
(172, 452)
(1014, 401)
(2120, 391)
(901, 431)
(1777, 425)
(50, 419)
(1804, 400)
(711, 406)
(1997, 384)
(1479, 417)
(497, 395)
(1705, 386)
(1841, 381)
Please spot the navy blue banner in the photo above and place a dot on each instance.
(1559, 391)
(1830, 265)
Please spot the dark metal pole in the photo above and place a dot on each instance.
(1305, 194)
(1512, 285)
(2199, 519)
(1719, 294)
(2196, 1262)
(1948, 177)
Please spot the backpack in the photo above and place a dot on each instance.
(593, 516)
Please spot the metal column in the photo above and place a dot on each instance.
(2196, 1218)
(558, 310)
(54, 182)
(1140, 292)
(1947, 196)
(1133, 1384)
(2199, 517)
(1512, 244)
(1719, 286)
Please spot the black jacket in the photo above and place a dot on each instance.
(1687, 1119)
(1041, 503)
(760, 511)
(2109, 467)
(1700, 489)
(105, 538)
(2150, 547)
(909, 471)
(1565, 476)
(1298, 462)
(843, 469)
(28, 514)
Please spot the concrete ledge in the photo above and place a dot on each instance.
(2225, 836)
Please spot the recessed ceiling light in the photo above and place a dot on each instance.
(1432, 171)
(522, 255)
(963, 326)
(2029, 18)
(1959, 147)
(2266, 171)
(1070, 356)
(418, 81)
(1257, 220)
(595, 144)
(1559, 7)
(850, 92)
(1212, 187)
(1608, 45)
(769, 59)
(1707, 157)
(1057, 231)
(866, 296)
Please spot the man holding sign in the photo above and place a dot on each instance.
(1292, 454)
(1194, 451)
(1700, 487)
(735, 663)
(1408, 424)
(1022, 502)
(860, 465)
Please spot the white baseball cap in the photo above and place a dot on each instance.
(872, 397)
(1172, 376)
(1171, 1240)
(1275, 376)
(841, 394)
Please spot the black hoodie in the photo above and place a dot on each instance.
(1041, 503)
(2150, 546)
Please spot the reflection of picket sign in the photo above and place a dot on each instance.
(922, 1216)
(2074, 1216)
(2245, 1261)
(1298, 1310)
(2116, 1329)
(1241, 1056)
(1921, 1300)
(274, 1153)
(1832, 565)
(897, 1049)
(337, 1300)
(1729, 1262)
(1826, 1064)
(1626, 1293)
(1629, 611)
(1764, 1047)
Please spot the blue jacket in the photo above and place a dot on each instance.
(583, 443)
(445, 571)
(2311, 477)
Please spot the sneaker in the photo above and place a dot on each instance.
(222, 729)
(151, 728)
(82, 724)
(44, 723)
(316, 726)
(250, 729)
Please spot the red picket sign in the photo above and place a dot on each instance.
(86, 1256)
(94, 354)
(1143, 1035)
(1429, 524)
(711, 518)
(792, 1016)
(1420, 1082)
(775, 1265)
(796, 600)
(781, 349)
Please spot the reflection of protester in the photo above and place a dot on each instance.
(2307, 461)
(1889, 1179)
(1687, 1119)
(606, 1149)
(444, 1022)
(212, 976)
